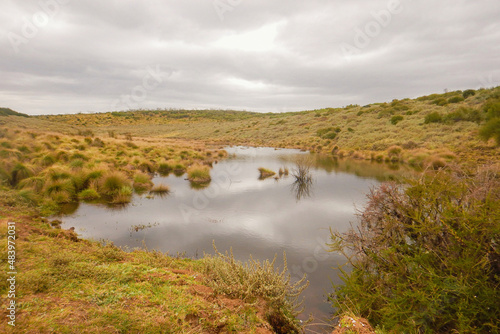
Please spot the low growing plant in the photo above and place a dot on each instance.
(253, 280)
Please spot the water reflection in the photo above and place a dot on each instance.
(303, 179)
(261, 218)
(301, 189)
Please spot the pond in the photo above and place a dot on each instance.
(253, 216)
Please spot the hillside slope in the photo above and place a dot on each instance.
(438, 126)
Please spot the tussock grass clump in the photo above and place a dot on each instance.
(146, 166)
(165, 168)
(265, 173)
(253, 280)
(199, 174)
(302, 170)
(179, 169)
(35, 182)
(123, 195)
(113, 183)
(20, 172)
(394, 153)
(76, 163)
(160, 189)
(88, 195)
(142, 182)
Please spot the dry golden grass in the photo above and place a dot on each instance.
(359, 131)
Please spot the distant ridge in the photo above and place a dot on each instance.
(10, 112)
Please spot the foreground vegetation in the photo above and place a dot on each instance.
(425, 258)
(68, 285)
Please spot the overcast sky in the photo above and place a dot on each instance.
(68, 56)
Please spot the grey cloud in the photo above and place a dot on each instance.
(90, 53)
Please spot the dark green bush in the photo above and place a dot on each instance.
(328, 133)
(396, 118)
(464, 114)
(492, 109)
(491, 130)
(455, 99)
(433, 117)
(425, 257)
(440, 101)
(468, 92)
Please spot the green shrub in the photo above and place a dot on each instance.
(425, 256)
(456, 99)
(433, 117)
(492, 109)
(328, 133)
(463, 114)
(440, 102)
(491, 130)
(396, 118)
(468, 92)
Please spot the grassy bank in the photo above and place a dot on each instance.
(52, 169)
(65, 284)
(68, 285)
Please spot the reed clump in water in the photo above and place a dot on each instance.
(199, 174)
(265, 173)
(302, 170)
(160, 189)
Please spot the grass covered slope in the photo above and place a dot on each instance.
(438, 126)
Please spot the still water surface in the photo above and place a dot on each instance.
(257, 217)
